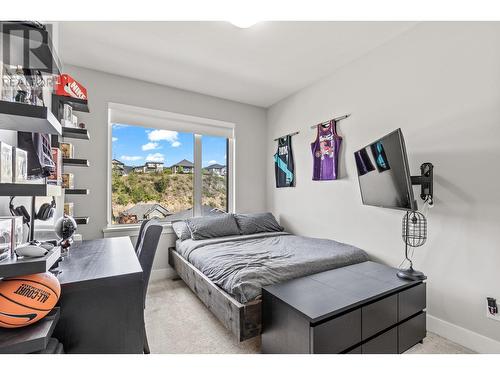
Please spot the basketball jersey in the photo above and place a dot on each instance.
(284, 169)
(325, 152)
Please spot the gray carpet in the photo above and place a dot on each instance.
(177, 322)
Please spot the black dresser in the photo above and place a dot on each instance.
(360, 309)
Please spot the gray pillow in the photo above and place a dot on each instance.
(257, 223)
(181, 230)
(212, 226)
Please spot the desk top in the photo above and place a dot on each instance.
(330, 293)
(99, 259)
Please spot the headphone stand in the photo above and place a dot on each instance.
(32, 220)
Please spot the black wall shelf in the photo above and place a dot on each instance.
(28, 118)
(77, 191)
(29, 190)
(29, 339)
(82, 220)
(76, 162)
(26, 266)
(75, 133)
(78, 105)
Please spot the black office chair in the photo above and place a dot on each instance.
(147, 243)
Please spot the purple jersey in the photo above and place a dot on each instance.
(325, 150)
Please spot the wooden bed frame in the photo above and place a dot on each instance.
(243, 320)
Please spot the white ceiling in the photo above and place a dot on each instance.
(260, 65)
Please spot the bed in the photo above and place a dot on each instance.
(227, 273)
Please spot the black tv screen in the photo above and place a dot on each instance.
(384, 175)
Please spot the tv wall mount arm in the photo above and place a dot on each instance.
(425, 180)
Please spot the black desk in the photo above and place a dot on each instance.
(363, 308)
(101, 298)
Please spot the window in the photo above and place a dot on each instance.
(214, 177)
(154, 174)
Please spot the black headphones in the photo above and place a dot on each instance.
(45, 212)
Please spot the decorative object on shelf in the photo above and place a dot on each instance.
(17, 231)
(7, 83)
(5, 239)
(5, 162)
(19, 165)
(44, 213)
(68, 86)
(67, 115)
(68, 180)
(37, 145)
(55, 177)
(32, 250)
(26, 300)
(69, 208)
(22, 85)
(81, 125)
(22, 91)
(67, 150)
(414, 233)
(65, 228)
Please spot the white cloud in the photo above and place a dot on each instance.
(170, 136)
(114, 139)
(130, 158)
(150, 146)
(157, 157)
(212, 162)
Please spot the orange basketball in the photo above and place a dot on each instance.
(27, 299)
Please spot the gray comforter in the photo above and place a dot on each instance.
(241, 265)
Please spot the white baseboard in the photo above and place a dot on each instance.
(162, 273)
(463, 336)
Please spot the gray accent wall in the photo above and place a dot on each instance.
(439, 82)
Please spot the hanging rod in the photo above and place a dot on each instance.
(336, 119)
(286, 135)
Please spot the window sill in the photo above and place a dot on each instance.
(131, 230)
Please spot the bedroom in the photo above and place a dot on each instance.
(225, 177)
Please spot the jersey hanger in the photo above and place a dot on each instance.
(336, 119)
(286, 135)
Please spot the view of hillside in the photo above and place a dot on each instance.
(172, 191)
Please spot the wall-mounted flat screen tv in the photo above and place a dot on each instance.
(383, 173)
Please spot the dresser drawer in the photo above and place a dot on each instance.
(337, 334)
(411, 301)
(411, 332)
(386, 343)
(379, 315)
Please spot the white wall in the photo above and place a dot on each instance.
(250, 130)
(439, 82)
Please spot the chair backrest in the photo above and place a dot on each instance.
(141, 231)
(146, 249)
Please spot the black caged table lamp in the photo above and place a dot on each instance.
(414, 233)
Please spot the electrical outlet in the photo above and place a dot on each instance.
(492, 310)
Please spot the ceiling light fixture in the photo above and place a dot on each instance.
(243, 23)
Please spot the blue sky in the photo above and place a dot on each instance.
(134, 145)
